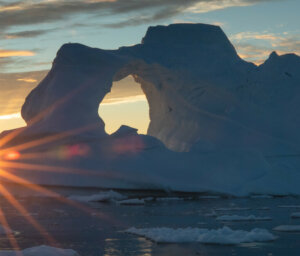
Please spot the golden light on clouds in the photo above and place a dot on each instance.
(10, 8)
(27, 80)
(213, 5)
(255, 35)
(126, 104)
(10, 116)
(15, 53)
(121, 100)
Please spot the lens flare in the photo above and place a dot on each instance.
(12, 155)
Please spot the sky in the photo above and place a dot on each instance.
(32, 31)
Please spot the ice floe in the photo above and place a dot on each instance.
(295, 215)
(242, 218)
(223, 235)
(41, 250)
(287, 228)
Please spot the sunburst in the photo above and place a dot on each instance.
(14, 161)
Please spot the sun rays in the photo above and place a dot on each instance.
(13, 159)
(23, 155)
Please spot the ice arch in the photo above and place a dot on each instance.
(200, 92)
(126, 104)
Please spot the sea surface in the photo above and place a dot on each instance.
(95, 229)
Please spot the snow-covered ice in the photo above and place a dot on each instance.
(223, 235)
(209, 197)
(289, 206)
(242, 218)
(223, 209)
(166, 199)
(295, 215)
(263, 208)
(105, 196)
(42, 250)
(261, 196)
(287, 228)
(133, 201)
(211, 214)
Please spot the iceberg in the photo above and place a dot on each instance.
(105, 196)
(217, 123)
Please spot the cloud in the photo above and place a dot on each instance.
(13, 58)
(256, 46)
(124, 91)
(10, 116)
(290, 43)
(253, 53)
(122, 100)
(139, 11)
(208, 6)
(15, 53)
(255, 35)
(27, 80)
(26, 34)
(14, 89)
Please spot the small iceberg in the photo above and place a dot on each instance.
(133, 201)
(105, 196)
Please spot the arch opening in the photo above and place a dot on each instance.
(125, 104)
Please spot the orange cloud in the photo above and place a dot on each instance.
(213, 5)
(10, 116)
(255, 35)
(15, 53)
(27, 80)
(10, 8)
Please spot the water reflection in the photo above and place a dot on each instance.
(136, 246)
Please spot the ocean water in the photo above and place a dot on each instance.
(95, 229)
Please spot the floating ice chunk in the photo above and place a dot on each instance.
(242, 218)
(287, 228)
(134, 201)
(261, 196)
(149, 199)
(164, 199)
(42, 250)
(211, 214)
(105, 196)
(209, 197)
(233, 209)
(223, 235)
(289, 206)
(295, 215)
(263, 208)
